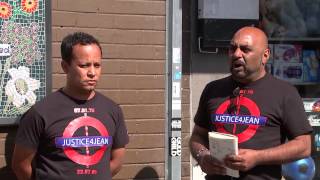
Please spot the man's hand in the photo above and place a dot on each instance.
(199, 150)
(116, 161)
(210, 165)
(244, 161)
(297, 148)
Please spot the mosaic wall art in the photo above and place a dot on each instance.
(22, 55)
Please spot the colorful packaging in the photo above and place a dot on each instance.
(311, 68)
(289, 53)
(292, 72)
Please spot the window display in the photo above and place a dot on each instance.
(293, 19)
(293, 30)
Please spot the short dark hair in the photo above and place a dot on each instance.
(71, 40)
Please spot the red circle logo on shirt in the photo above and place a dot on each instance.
(69, 131)
(254, 111)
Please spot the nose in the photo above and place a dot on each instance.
(236, 53)
(91, 71)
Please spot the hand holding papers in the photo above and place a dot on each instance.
(222, 144)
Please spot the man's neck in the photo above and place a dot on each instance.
(76, 94)
(249, 80)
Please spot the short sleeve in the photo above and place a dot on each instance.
(121, 137)
(31, 126)
(295, 119)
(201, 118)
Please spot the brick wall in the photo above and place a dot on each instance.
(132, 35)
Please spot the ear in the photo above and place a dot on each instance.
(266, 56)
(65, 66)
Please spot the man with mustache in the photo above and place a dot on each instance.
(280, 132)
(75, 132)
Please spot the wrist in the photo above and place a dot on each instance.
(201, 153)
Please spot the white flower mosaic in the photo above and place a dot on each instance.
(21, 86)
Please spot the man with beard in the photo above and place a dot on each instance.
(280, 132)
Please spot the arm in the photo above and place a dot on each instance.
(21, 162)
(199, 150)
(117, 156)
(198, 141)
(295, 149)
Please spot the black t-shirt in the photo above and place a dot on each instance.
(262, 114)
(73, 138)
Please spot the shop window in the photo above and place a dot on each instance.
(294, 33)
(218, 20)
(293, 28)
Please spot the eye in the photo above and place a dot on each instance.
(97, 65)
(83, 65)
(232, 48)
(245, 49)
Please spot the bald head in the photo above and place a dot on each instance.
(248, 53)
(257, 35)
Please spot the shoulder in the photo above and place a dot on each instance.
(219, 86)
(40, 108)
(226, 81)
(282, 90)
(278, 84)
(49, 99)
(53, 102)
(105, 101)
